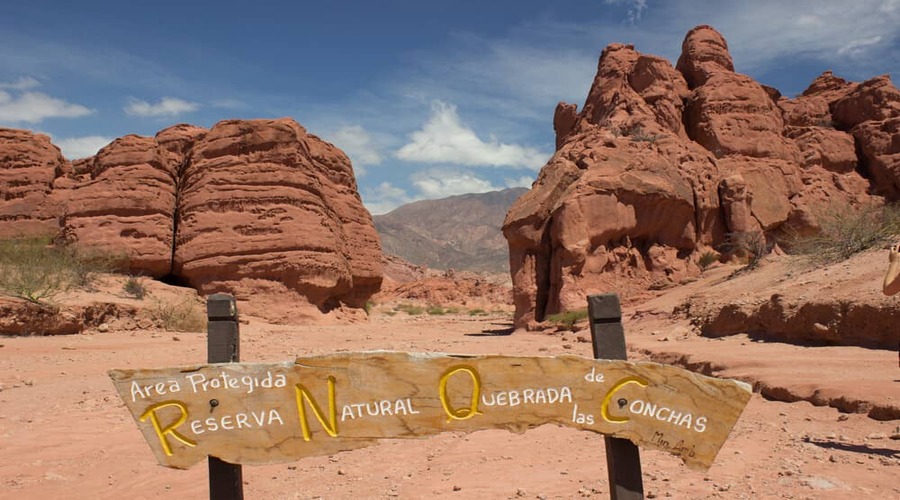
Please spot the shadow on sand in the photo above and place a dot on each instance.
(855, 448)
(495, 332)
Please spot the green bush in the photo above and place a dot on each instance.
(845, 231)
(436, 310)
(567, 320)
(707, 259)
(410, 309)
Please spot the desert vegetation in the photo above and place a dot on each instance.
(568, 320)
(38, 271)
(844, 232)
(186, 315)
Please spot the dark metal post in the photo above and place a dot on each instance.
(223, 346)
(623, 460)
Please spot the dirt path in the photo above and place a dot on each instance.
(65, 434)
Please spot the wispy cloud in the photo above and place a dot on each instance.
(762, 33)
(514, 182)
(23, 83)
(520, 76)
(384, 197)
(359, 145)
(167, 106)
(74, 148)
(634, 8)
(440, 183)
(17, 106)
(445, 139)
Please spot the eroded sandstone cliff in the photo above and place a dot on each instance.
(663, 164)
(247, 206)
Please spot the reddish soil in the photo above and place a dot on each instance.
(66, 434)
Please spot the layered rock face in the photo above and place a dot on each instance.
(242, 207)
(265, 200)
(666, 163)
(29, 166)
(125, 203)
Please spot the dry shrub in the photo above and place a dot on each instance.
(845, 231)
(184, 316)
(750, 247)
(134, 288)
(36, 270)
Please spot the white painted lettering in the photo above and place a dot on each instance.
(700, 424)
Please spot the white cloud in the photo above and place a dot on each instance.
(855, 47)
(384, 197)
(23, 83)
(524, 181)
(359, 146)
(168, 106)
(634, 8)
(762, 31)
(518, 77)
(437, 183)
(34, 107)
(74, 148)
(445, 139)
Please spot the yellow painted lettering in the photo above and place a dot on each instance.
(169, 429)
(604, 407)
(330, 427)
(461, 413)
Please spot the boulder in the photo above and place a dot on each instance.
(704, 52)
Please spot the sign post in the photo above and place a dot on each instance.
(223, 345)
(623, 460)
(265, 413)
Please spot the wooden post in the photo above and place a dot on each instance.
(623, 460)
(223, 346)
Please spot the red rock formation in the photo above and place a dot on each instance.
(703, 53)
(872, 113)
(127, 204)
(264, 200)
(29, 164)
(664, 163)
(247, 206)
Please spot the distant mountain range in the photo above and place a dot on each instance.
(460, 232)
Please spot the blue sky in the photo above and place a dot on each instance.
(429, 99)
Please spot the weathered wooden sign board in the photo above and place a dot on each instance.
(247, 413)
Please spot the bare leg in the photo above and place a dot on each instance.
(892, 278)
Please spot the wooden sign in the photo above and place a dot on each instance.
(247, 413)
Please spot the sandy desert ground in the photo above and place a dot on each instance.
(66, 434)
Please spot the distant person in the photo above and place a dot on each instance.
(892, 278)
